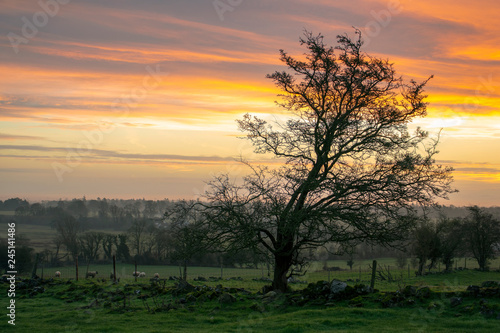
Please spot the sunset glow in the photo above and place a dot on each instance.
(133, 99)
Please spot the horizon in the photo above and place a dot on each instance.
(128, 99)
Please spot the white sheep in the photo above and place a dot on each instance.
(142, 274)
(136, 273)
(156, 276)
(91, 274)
(57, 274)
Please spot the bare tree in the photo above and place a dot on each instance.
(132, 210)
(107, 245)
(351, 170)
(187, 232)
(137, 234)
(452, 236)
(122, 249)
(426, 244)
(117, 213)
(90, 243)
(483, 235)
(77, 208)
(150, 209)
(68, 228)
(162, 240)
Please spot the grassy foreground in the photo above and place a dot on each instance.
(100, 306)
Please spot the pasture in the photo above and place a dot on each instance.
(253, 279)
(97, 305)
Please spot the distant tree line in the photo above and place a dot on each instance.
(476, 235)
(165, 232)
(140, 233)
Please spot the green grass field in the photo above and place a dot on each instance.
(315, 273)
(81, 307)
(41, 237)
(70, 306)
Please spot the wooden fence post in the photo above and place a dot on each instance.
(76, 265)
(374, 271)
(35, 266)
(135, 271)
(114, 268)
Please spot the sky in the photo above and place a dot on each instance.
(139, 99)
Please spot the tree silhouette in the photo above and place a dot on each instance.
(185, 227)
(482, 231)
(68, 228)
(351, 170)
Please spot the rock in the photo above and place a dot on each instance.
(455, 301)
(409, 291)
(184, 287)
(490, 284)
(320, 289)
(424, 292)
(190, 298)
(293, 280)
(270, 297)
(337, 287)
(266, 289)
(473, 290)
(226, 298)
(356, 302)
(295, 298)
(361, 289)
(258, 307)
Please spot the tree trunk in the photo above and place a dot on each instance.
(421, 264)
(185, 271)
(449, 265)
(281, 266)
(482, 263)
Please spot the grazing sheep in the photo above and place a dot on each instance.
(134, 274)
(57, 274)
(91, 274)
(156, 276)
(142, 274)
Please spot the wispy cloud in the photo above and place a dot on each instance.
(121, 155)
(13, 137)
